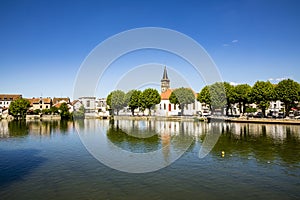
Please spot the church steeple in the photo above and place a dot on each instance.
(165, 75)
(165, 82)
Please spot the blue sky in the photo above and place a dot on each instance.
(43, 43)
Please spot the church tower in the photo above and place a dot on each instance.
(165, 82)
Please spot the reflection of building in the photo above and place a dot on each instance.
(4, 128)
(165, 108)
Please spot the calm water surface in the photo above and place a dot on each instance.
(47, 160)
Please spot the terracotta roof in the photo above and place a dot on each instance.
(57, 105)
(57, 100)
(165, 95)
(37, 100)
(11, 97)
(74, 102)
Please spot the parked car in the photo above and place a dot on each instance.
(258, 115)
(280, 115)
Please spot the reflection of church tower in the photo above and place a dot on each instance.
(165, 82)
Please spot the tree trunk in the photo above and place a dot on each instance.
(227, 109)
(182, 109)
(132, 112)
(149, 111)
(244, 107)
(263, 109)
(287, 110)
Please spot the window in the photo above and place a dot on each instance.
(0, 102)
(159, 106)
(41, 106)
(88, 103)
(165, 106)
(174, 106)
(47, 106)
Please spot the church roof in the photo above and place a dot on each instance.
(165, 95)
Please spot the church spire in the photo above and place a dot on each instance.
(165, 82)
(165, 75)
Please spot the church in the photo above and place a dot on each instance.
(165, 108)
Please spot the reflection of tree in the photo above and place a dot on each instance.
(18, 128)
(262, 146)
(79, 123)
(289, 150)
(63, 126)
(133, 144)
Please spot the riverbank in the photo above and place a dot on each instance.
(254, 120)
(161, 118)
(211, 119)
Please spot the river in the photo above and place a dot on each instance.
(90, 159)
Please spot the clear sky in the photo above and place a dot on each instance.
(43, 43)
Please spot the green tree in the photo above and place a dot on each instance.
(288, 92)
(46, 111)
(37, 111)
(54, 110)
(204, 96)
(182, 97)
(230, 96)
(218, 96)
(19, 107)
(64, 111)
(261, 94)
(133, 99)
(79, 114)
(150, 97)
(242, 95)
(116, 100)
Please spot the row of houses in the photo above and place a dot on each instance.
(97, 107)
(93, 106)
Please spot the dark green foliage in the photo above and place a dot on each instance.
(288, 92)
(242, 95)
(182, 97)
(133, 99)
(54, 110)
(19, 107)
(36, 112)
(230, 96)
(116, 100)
(80, 113)
(46, 111)
(261, 94)
(150, 97)
(204, 96)
(64, 111)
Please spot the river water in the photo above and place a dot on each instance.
(70, 160)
